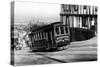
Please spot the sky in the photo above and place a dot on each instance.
(26, 12)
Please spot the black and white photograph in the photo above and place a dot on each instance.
(51, 33)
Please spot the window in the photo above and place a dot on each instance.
(33, 38)
(62, 30)
(44, 35)
(66, 28)
(36, 36)
(96, 9)
(84, 7)
(41, 35)
(84, 22)
(57, 30)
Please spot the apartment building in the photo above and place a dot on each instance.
(79, 16)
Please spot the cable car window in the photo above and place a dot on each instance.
(36, 36)
(45, 34)
(66, 28)
(57, 30)
(42, 36)
(62, 30)
(32, 38)
(39, 35)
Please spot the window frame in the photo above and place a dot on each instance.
(58, 31)
(62, 30)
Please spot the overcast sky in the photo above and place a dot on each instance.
(29, 11)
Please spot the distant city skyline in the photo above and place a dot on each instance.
(26, 12)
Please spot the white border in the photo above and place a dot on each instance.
(5, 33)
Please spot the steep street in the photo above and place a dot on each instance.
(75, 52)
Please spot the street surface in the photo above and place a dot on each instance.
(75, 52)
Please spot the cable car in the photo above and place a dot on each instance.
(50, 37)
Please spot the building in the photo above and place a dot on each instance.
(17, 34)
(82, 20)
(79, 16)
